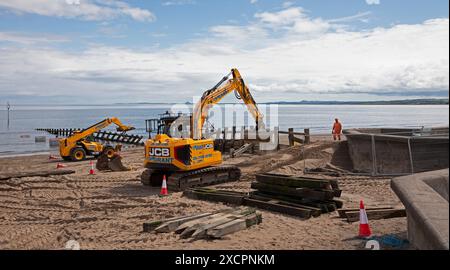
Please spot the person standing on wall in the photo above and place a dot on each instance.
(337, 130)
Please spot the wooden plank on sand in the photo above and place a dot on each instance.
(183, 226)
(284, 209)
(199, 230)
(342, 212)
(46, 173)
(234, 225)
(376, 214)
(170, 226)
(152, 225)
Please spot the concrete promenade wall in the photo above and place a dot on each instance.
(425, 196)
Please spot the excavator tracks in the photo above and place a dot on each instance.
(180, 181)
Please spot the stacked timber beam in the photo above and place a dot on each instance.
(207, 225)
(300, 197)
(216, 195)
(306, 196)
(100, 135)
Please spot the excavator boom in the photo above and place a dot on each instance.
(216, 94)
(189, 162)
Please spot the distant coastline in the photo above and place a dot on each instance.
(381, 102)
(431, 101)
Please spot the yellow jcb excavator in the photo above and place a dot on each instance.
(78, 146)
(189, 162)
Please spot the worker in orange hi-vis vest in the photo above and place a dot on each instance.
(337, 129)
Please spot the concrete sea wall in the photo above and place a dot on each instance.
(398, 151)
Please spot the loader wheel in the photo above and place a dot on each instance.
(78, 154)
(109, 151)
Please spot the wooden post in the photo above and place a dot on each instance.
(233, 136)
(277, 130)
(307, 136)
(291, 137)
(224, 132)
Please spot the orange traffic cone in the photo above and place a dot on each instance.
(364, 229)
(60, 165)
(92, 171)
(164, 191)
(50, 157)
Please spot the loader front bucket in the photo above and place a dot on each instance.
(102, 163)
(115, 164)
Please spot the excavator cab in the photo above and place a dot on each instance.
(166, 123)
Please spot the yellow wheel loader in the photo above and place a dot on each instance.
(81, 145)
(190, 162)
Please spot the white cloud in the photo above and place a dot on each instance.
(373, 2)
(288, 4)
(179, 3)
(91, 10)
(361, 16)
(283, 17)
(293, 18)
(30, 39)
(283, 55)
(253, 1)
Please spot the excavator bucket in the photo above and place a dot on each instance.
(102, 162)
(115, 164)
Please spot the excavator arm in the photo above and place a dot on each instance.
(77, 136)
(216, 94)
(97, 127)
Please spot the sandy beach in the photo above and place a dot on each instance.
(106, 210)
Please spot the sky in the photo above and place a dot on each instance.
(105, 51)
